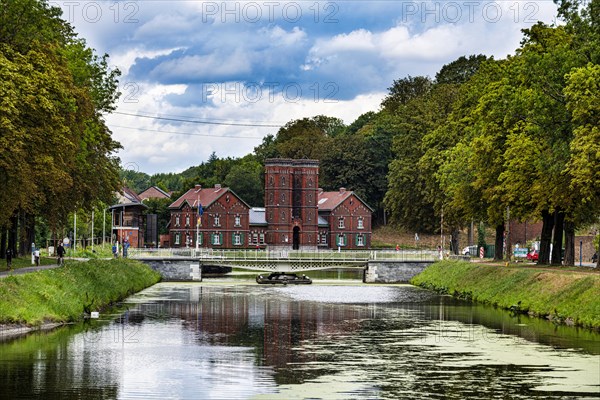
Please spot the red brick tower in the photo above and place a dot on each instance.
(291, 193)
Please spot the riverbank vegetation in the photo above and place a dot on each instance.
(563, 296)
(65, 294)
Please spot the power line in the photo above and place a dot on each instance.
(197, 121)
(186, 133)
(187, 117)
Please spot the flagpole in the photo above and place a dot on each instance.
(198, 221)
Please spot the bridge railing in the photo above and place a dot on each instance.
(344, 256)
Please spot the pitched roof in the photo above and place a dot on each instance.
(128, 198)
(206, 196)
(154, 192)
(330, 200)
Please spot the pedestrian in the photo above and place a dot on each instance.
(60, 252)
(9, 257)
(397, 247)
(114, 250)
(36, 256)
(125, 247)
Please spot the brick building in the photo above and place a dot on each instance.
(154, 192)
(297, 214)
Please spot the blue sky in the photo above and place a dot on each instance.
(242, 68)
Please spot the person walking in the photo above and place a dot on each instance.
(9, 257)
(60, 252)
(36, 256)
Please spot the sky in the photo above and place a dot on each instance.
(218, 76)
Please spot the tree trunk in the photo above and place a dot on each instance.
(13, 233)
(499, 251)
(3, 240)
(569, 243)
(454, 233)
(557, 241)
(546, 237)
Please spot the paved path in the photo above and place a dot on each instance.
(24, 270)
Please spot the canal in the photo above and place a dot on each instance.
(229, 338)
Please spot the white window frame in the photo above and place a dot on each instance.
(341, 240)
(238, 221)
(341, 224)
(187, 220)
(361, 223)
(237, 239)
(177, 239)
(324, 238)
(360, 240)
(177, 220)
(216, 239)
(262, 238)
(217, 220)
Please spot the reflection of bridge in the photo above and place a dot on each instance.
(284, 260)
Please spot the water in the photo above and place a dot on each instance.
(229, 338)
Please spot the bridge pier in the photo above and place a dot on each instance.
(393, 271)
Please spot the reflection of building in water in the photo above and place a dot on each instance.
(277, 328)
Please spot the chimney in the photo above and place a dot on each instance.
(218, 186)
(198, 187)
(320, 190)
(342, 190)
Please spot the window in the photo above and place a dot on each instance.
(341, 240)
(237, 239)
(324, 238)
(262, 238)
(360, 240)
(217, 221)
(283, 181)
(177, 220)
(283, 216)
(238, 220)
(216, 239)
(255, 238)
(282, 198)
(199, 239)
(187, 220)
(360, 223)
(341, 223)
(176, 238)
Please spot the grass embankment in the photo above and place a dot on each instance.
(562, 296)
(62, 294)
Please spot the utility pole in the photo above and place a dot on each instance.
(92, 231)
(104, 228)
(75, 231)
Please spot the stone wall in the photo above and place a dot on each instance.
(393, 272)
(177, 270)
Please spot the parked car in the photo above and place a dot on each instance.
(533, 255)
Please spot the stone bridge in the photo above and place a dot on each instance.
(381, 266)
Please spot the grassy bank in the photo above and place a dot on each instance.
(62, 294)
(571, 297)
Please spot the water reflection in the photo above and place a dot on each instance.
(197, 341)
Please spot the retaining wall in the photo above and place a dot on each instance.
(177, 270)
(394, 272)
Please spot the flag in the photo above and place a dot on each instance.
(200, 212)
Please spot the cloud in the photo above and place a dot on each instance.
(275, 62)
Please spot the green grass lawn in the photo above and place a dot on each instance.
(64, 294)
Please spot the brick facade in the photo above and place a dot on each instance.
(297, 214)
